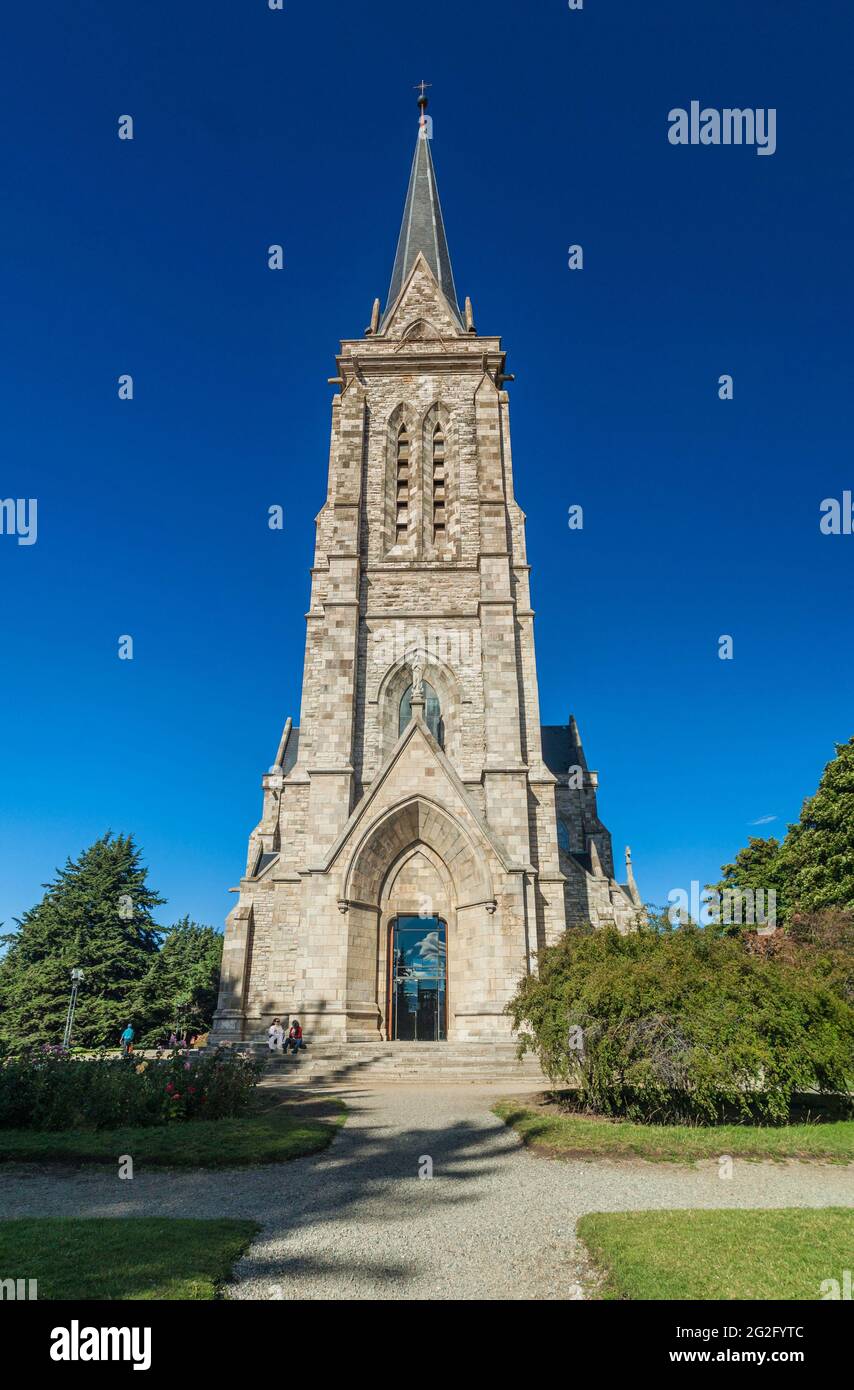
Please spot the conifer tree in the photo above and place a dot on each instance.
(96, 915)
(818, 852)
(179, 990)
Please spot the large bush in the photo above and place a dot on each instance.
(52, 1090)
(683, 1025)
(820, 942)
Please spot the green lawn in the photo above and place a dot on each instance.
(273, 1131)
(569, 1136)
(149, 1258)
(719, 1254)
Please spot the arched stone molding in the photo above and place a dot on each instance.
(418, 820)
(396, 681)
(421, 329)
(375, 889)
(418, 883)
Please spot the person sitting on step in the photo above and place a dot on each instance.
(294, 1039)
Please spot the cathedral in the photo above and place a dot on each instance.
(423, 836)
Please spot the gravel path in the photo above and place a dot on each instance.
(495, 1221)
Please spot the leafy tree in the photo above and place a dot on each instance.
(682, 1024)
(96, 914)
(813, 868)
(179, 990)
(757, 868)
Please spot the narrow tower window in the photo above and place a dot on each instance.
(402, 498)
(432, 713)
(439, 498)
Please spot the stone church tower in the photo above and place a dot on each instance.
(422, 835)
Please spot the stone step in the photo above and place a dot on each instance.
(493, 1049)
(407, 1062)
(330, 1062)
(434, 1055)
(393, 1078)
(412, 1070)
(352, 1059)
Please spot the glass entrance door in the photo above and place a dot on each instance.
(418, 979)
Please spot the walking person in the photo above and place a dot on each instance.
(126, 1040)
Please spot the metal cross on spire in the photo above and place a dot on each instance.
(423, 99)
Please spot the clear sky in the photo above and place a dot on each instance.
(254, 127)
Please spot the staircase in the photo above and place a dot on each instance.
(328, 1063)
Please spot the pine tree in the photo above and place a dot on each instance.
(180, 987)
(97, 915)
(818, 852)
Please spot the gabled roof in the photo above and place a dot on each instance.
(562, 747)
(364, 814)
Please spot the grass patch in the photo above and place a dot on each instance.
(126, 1258)
(549, 1128)
(719, 1254)
(272, 1131)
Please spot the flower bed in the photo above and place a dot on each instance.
(51, 1090)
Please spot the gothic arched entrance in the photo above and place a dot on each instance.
(418, 895)
(417, 1007)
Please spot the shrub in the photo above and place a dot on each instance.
(52, 1090)
(682, 1025)
(826, 940)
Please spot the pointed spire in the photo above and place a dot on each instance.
(578, 756)
(630, 879)
(595, 858)
(423, 227)
(283, 744)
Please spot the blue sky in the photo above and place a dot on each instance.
(255, 127)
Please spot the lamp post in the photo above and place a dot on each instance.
(76, 981)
